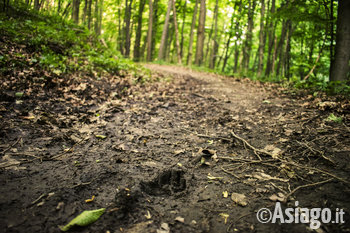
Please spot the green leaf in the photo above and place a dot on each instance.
(334, 118)
(85, 218)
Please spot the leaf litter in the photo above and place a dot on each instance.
(160, 144)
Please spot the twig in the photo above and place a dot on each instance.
(305, 186)
(250, 146)
(8, 148)
(70, 149)
(231, 173)
(315, 151)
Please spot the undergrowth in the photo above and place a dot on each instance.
(59, 46)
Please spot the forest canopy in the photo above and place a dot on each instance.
(269, 40)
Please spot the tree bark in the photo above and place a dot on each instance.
(200, 34)
(75, 11)
(182, 29)
(161, 52)
(127, 19)
(215, 46)
(178, 51)
(271, 36)
(149, 33)
(137, 44)
(249, 36)
(340, 67)
(261, 39)
(193, 25)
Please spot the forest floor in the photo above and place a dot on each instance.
(188, 152)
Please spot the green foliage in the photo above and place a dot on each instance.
(59, 46)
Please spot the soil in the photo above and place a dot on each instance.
(187, 152)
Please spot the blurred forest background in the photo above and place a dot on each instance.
(303, 42)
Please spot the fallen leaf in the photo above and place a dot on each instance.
(85, 218)
(225, 194)
(180, 219)
(280, 197)
(238, 198)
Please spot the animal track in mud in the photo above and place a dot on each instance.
(169, 182)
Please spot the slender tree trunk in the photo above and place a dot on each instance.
(161, 51)
(127, 19)
(193, 25)
(280, 50)
(154, 26)
(75, 11)
(331, 48)
(288, 49)
(149, 34)
(261, 39)
(96, 17)
(182, 29)
(85, 11)
(215, 39)
(340, 67)
(271, 35)
(89, 14)
(249, 36)
(176, 35)
(200, 34)
(36, 5)
(238, 35)
(139, 31)
(228, 43)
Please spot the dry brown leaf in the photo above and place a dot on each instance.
(240, 199)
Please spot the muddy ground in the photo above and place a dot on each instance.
(187, 152)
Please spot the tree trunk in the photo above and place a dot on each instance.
(154, 26)
(261, 39)
(182, 29)
(75, 11)
(249, 36)
(193, 25)
(340, 67)
(127, 19)
(271, 35)
(215, 47)
(96, 17)
(137, 44)
(149, 34)
(280, 46)
(200, 34)
(89, 14)
(85, 11)
(161, 51)
(36, 5)
(178, 51)
(228, 43)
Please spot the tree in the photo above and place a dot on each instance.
(261, 39)
(200, 34)
(161, 52)
(75, 11)
(340, 67)
(139, 31)
(215, 45)
(176, 35)
(249, 36)
(193, 25)
(127, 19)
(149, 34)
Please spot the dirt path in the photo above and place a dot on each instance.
(193, 152)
